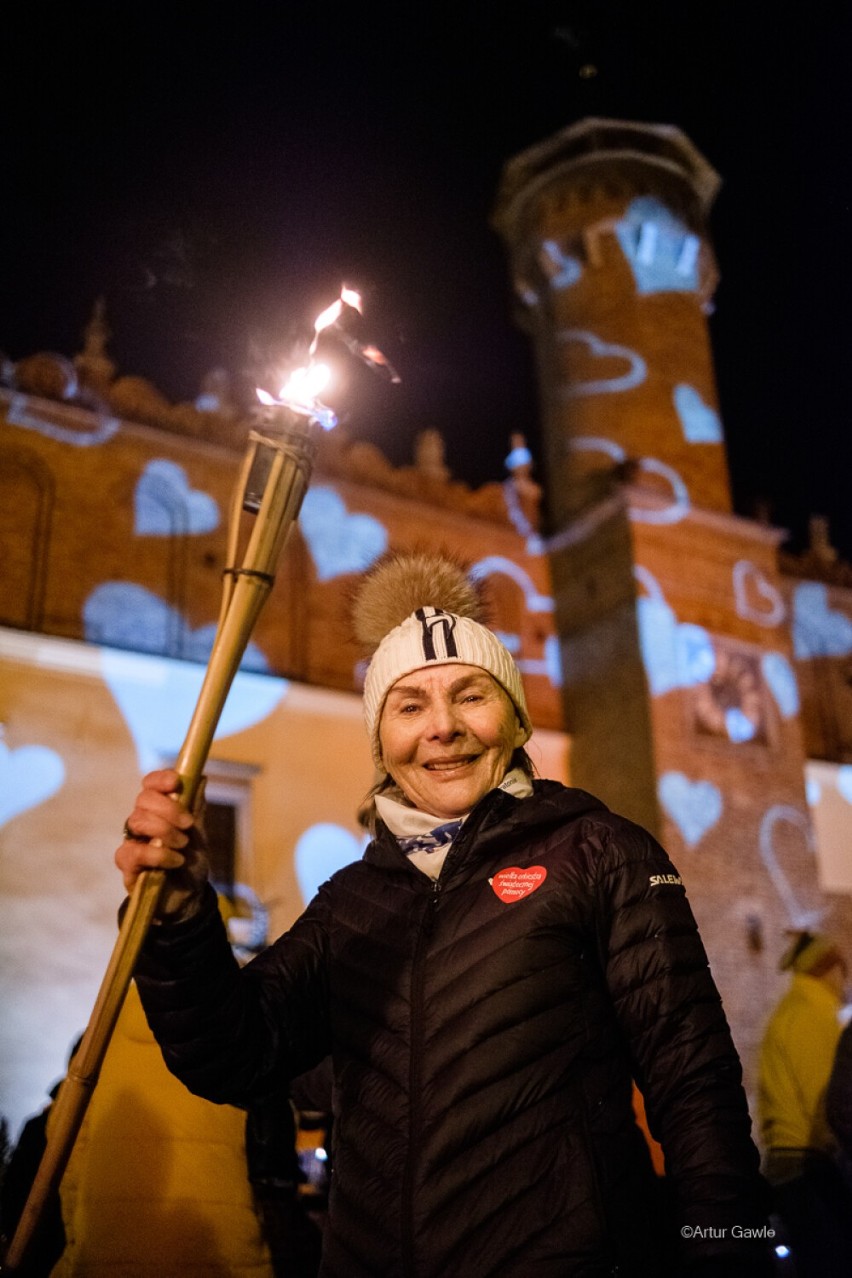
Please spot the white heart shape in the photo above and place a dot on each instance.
(120, 614)
(738, 726)
(699, 422)
(155, 693)
(321, 851)
(679, 504)
(675, 655)
(157, 697)
(844, 781)
(694, 806)
(670, 514)
(781, 680)
(634, 375)
(756, 599)
(500, 566)
(799, 914)
(29, 775)
(657, 629)
(339, 542)
(165, 504)
(696, 656)
(818, 629)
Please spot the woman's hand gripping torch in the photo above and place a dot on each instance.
(273, 481)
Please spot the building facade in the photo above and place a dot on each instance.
(674, 663)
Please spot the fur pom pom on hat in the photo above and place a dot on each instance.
(417, 610)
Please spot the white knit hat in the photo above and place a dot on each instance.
(433, 637)
(415, 610)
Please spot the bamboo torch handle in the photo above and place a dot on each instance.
(245, 592)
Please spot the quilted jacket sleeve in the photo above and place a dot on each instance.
(683, 1056)
(235, 1035)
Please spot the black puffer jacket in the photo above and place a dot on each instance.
(484, 1031)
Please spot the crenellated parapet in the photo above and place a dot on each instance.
(562, 200)
(86, 396)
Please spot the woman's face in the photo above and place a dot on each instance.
(447, 734)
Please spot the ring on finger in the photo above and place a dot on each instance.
(133, 836)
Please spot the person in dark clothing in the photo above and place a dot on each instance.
(838, 1102)
(273, 1169)
(490, 979)
(49, 1241)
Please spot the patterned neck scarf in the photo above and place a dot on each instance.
(425, 838)
(439, 837)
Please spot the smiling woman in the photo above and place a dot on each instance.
(443, 697)
(489, 979)
(447, 736)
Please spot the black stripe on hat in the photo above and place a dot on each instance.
(437, 626)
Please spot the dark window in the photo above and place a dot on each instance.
(220, 824)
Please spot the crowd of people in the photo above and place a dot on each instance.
(530, 1066)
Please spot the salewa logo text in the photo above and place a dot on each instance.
(657, 880)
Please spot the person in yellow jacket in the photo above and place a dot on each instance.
(160, 1182)
(157, 1183)
(796, 1058)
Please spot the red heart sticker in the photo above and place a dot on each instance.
(514, 883)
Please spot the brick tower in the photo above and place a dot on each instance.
(606, 227)
(679, 691)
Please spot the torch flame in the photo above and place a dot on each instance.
(329, 316)
(303, 386)
(351, 298)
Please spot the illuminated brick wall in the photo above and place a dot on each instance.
(112, 541)
(684, 654)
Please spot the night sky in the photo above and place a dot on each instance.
(216, 178)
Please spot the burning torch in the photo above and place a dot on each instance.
(273, 480)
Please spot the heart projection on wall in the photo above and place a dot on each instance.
(694, 806)
(340, 542)
(620, 368)
(783, 861)
(755, 598)
(164, 504)
(818, 629)
(29, 775)
(320, 851)
(157, 696)
(700, 423)
(121, 614)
